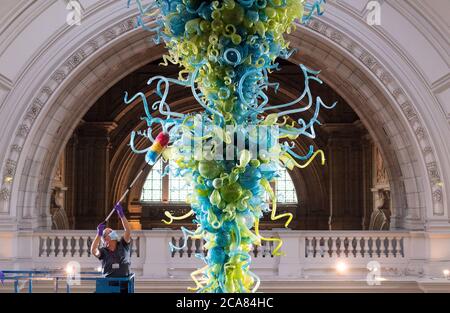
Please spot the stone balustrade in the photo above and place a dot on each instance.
(306, 253)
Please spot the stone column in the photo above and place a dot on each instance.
(367, 172)
(70, 175)
(345, 162)
(91, 183)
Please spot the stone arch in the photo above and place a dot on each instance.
(360, 78)
(58, 107)
(54, 111)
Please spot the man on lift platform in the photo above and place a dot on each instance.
(114, 253)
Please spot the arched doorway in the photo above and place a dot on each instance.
(100, 165)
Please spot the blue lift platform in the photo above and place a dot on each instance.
(102, 284)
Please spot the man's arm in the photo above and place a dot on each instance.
(96, 242)
(126, 225)
(94, 246)
(127, 228)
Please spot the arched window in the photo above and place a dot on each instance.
(153, 186)
(178, 188)
(285, 189)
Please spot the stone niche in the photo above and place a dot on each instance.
(57, 202)
(381, 215)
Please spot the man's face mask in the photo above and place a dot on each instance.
(109, 235)
(113, 235)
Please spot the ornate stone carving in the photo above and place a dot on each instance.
(409, 111)
(57, 211)
(23, 130)
(380, 217)
(433, 172)
(33, 113)
(380, 170)
(109, 34)
(75, 59)
(368, 60)
(385, 78)
(336, 36)
(10, 166)
(59, 178)
(437, 195)
(126, 26)
(59, 76)
(420, 133)
(48, 91)
(16, 148)
(427, 150)
(93, 44)
(4, 194)
(397, 93)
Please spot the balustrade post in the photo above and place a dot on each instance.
(293, 247)
(309, 253)
(395, 249)
(79, 246)
(52, 246)
(389, 246)
(156, 257)
(45, 246)
(333, 248)
(358, 253)
(24, 251)
(301, 247)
